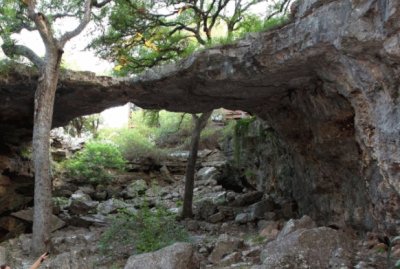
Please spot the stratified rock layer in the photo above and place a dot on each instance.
(327, 83)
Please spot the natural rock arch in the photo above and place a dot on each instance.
(328, 83)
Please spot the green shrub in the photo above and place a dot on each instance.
(133, 143)
(146, 231)
(173, 130)
(95, 162)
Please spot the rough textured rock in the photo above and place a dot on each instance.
(16, 182)
(81, 203)
(177, 256)
(2, 255)
(136, 189)
(27, 215)
(327, 83)
(293, 225)
(207, 173)
(112, 205)
(224, 246)
(308, 248)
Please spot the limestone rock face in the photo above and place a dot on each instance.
(307, 248)
(225, 245)
(327, 83)
(176, 256)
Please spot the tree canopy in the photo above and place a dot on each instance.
(143, 33)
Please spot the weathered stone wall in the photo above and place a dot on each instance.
(16, 191)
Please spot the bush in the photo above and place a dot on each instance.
(146, 231)
(134, 143)
(95, 162)
(174, 128)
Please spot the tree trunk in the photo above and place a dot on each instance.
(199, 124)
(43, 115)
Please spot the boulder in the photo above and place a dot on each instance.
(314, 248)
(247, 198)
(81, 203)
(88, 189)
(27, 215)
(230, 259)
(70, 260)
(224, 246)
(243, 218)
(270, 230)
(219, 198)
(207, 173)
(217, 217)
(166, 174)
(87, 220)
(216, 158)
(136, 189)
(295, 224)
(258, 210)
(112, 205)
(205, 208)
(176, 256)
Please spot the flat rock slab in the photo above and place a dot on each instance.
(27, 215)
(176, 256)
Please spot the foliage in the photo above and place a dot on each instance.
(151, 117)
(255, 239)
(142, 34)
(60, 201)
(133, 143)
(171, 129)
(154, 140)
(84, 124)
(26, 152)
(229, 129)
(240, 131)
(148, 230)
(95, 162)
(253, 24)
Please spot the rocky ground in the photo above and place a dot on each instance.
(230, 229)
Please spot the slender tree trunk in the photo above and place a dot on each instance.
(199, 124)
(43, 115)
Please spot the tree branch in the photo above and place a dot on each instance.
(101, 4)
(11, 50)
(85, 20)
(281, 8)
(42, 24)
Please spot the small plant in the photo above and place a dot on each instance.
(95, 162)
(256, 239)
(240, 131)
(146, 231)
(60, 201)
(26, 152)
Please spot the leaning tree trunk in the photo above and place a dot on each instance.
(199, 124)
(43, 115)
